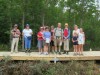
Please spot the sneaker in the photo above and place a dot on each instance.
(75, 54)
(64, 52)
(59, 53)
(26, 51)
(16, 52)
(67, 52)
(11, 52)
(45, 53)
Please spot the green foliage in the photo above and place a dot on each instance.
(50, 12)
(47, 68)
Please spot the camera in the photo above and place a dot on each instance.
(14, 31)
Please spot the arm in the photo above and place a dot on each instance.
(12, 32)
(62, 34)
(68, 34)
(72, 40)
(84, 36)
(18, 32)
(23, 33)
(31, 32)
(43, 36)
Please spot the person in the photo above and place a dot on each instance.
(81, 41)
(66, 37)
(47, 38)
(40, 44)
(15, 38)
(58, 35)
(77, 31)
(27, 33)
(75, 43)
(52, 39)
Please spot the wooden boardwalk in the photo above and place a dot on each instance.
(88, 55)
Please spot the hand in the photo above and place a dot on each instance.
(31, 33)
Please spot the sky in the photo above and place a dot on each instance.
(98, 2)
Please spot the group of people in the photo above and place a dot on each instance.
(27, 36)
(50, 39)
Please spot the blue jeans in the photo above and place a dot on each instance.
(27, 43)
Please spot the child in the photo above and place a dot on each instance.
(40, 40)
(75, 42)
(81, 41)
(47, 38)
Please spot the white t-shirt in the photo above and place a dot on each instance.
(27, 32)
(76, 31)
(81, 38)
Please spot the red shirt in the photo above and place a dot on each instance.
(41, 35)
(65, 32)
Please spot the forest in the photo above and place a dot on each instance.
(36, 13)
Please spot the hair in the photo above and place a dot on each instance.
(75, 33)
(82, 29)
(47, 28)
(75, 25)
(59, 23)
(66, 24)
(52, 26)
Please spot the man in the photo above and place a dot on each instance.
(15, 38)
(58, 34)
(66, 37)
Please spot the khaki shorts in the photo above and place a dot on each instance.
(58, 41)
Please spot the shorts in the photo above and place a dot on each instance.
(58, 41)
(40, 44)
(52, 43)
(80, 42)
(75, 43)
(46, 44)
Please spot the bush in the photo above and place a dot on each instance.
(47, 68)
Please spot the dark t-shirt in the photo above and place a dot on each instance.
(75, 38)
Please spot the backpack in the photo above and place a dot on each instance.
(60, 30)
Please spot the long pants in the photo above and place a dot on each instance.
(27, 43)
(14, 45)
(66, 44)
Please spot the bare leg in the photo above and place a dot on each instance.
(74, 49)
(82, 49)
(78, 49)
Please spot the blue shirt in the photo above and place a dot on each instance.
(47, 34)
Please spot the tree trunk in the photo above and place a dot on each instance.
(23, 22)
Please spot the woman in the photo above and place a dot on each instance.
(81, 41)
(66, 36)
(76, 31)
(47, 38)
(27, 33)
(40, 40)
(52, 39)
